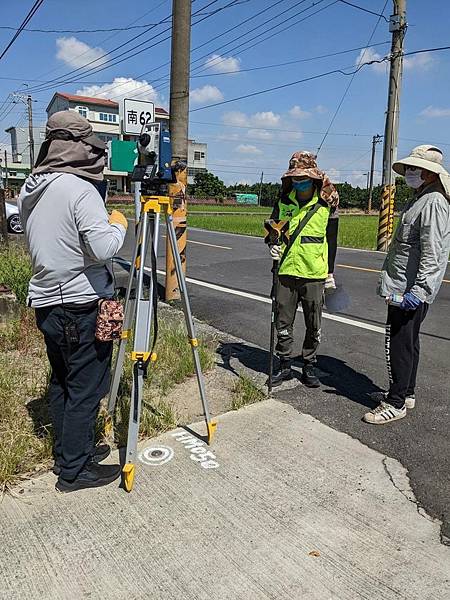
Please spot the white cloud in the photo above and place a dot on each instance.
(121, 87)
(265, 119)
(76, 53)
(223, 64)
(320, 109)
(367, 55)
(419, 61)
(236, 118)
(248, 149)
(206, 94)
(435, 112)
(297, 113)
(260, 134)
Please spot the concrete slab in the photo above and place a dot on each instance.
(286, 508)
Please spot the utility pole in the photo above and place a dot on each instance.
(6, 171)
(375, 140)
(260, 189)
(3, 221)
(179, 124)
(30, 130)
(397, 26)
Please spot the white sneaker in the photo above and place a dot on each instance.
(410, 401)
(384, 413)
(330, 283)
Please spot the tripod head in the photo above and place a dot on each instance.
(277, 232)
(154, 169)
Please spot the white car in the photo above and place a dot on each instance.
(13, 218)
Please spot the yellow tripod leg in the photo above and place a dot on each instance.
(128, 476)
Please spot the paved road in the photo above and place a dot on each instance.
(229, 285)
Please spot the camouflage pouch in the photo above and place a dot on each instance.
(109, 320)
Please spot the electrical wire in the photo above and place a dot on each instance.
(371, 12)
(347, 89)
(285, 85)
(26, 20)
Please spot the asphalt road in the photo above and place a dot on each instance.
(229, 284)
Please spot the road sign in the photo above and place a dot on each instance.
(122, 156)
(136, 113)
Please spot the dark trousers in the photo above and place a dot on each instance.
(291, 292)
(79, 380)
(402, 346)
(332, 239)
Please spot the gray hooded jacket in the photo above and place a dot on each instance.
(70, 240)
(417, 257)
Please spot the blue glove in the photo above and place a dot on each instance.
(410, 302)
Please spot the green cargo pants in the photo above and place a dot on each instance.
(291, 292)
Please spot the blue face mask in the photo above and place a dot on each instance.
(305, 185)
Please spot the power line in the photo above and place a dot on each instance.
(347, 89)
(111, 63)
(285, 85)
(371, 12)
(26, 20)
(109, 29)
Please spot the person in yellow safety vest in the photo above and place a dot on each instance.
(303, 266)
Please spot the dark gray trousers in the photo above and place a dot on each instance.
(309, 293)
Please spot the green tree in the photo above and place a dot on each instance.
(207, 185)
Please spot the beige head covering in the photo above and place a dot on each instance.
(70, 146)
(304, 163)
(425, 157)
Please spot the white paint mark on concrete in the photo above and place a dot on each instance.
(155, 456)
(198, 449)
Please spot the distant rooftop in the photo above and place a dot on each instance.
(99, 101)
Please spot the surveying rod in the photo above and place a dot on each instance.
(179, 117)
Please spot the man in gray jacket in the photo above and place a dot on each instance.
(71, 241)
(412, 275)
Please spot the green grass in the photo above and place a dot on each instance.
(15, 270)
(250, 208)
(359, 231)
(245, 392)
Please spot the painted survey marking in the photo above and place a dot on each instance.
(155, 456)
(198, 449)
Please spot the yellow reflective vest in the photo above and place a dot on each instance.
(308, 256)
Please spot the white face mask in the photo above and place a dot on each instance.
(413, 178)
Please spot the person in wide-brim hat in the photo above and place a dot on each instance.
(412, 274)
(306, 200)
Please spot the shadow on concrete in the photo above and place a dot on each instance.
(336, 377)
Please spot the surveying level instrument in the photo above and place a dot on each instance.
(154, 172)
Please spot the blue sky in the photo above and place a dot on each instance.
(259, 133)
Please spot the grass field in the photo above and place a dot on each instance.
(354, 231)
(220, 208)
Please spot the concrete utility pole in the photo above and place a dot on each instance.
(375, 140)
(6, 171)
(179, 124)
(30, 130)
(397, 26)
(260, 189)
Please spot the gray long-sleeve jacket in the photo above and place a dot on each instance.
(417, 257)
(70, 240)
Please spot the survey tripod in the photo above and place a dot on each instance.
(141, 317)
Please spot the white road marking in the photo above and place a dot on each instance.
(248, 295)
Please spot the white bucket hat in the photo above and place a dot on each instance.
(425, 157)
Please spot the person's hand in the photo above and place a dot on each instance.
(276, 252)
(116, 217)
(410, 302)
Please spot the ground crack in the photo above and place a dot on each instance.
(419, 508)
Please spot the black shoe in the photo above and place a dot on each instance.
(101, 452)
(309, 377)
(93, 475)
(284, 373)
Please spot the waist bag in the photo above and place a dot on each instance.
(110, 317)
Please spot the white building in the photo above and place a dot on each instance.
(197, 159)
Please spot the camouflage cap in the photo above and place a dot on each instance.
(304, 164)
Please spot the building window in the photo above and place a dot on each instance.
(107, 137)
(202, 154)
(83, 111)
(107, 117)
(196, 155)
